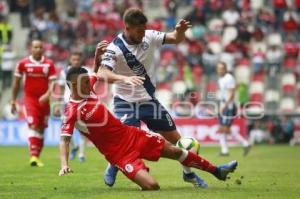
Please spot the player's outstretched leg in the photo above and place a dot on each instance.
(190, 159)
(145, 180)
(110, 175)
(188, 175)
(225, 169)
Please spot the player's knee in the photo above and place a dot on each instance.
(151, 186)
(35, 128)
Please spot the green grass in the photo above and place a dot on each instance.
(268, 172)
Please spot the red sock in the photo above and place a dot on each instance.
(193, 160)
(35, 146)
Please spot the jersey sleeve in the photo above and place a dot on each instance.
(109, 58)
(19, 69)
(69, 120)
(52, 72)
(157, 37)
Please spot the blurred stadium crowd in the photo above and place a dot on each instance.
(257, 39)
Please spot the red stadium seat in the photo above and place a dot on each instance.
(256, 97)
(289, 63)
(244, 62)
(211, 87)
(260, 76)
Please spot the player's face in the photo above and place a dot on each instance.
(85, 85)
(136, 33)
(221, 70)
(37, 49)
(75, 60)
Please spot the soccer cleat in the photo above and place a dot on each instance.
(35, 162)
(247, 150)
(195, 180)
(73, 153)
(223, 170)
(81, 159)
(110, 175)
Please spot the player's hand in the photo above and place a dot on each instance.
(100, 49)
(134, 80)
(44, 98)
(182, 26)
(13, 107)
(65, 170)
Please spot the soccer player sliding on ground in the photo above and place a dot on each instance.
(122, 145)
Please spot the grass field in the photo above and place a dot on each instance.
(268, 172)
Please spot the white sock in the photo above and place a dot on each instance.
(223, 143)
(239, 138)
(186, 170)
(183, 155)
(82, 144)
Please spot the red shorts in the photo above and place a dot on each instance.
(36, 114)
(148, 147)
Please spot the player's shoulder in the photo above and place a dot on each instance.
(24, 60)
(153, 33)
(229, 76)
(48, 60)
(112, 49)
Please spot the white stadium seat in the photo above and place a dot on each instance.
(272, 96)
(288, 79)
(215, 24)
(287, 104)
(179, 88)
(256, 87)
(274, 39)
(230, 33)
(242, 74)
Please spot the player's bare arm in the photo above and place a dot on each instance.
(46, 96)
(100, 50)
(15, 90)
(106, 74)
(178, 34)
(64, 155)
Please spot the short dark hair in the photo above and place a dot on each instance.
(75, 71)
(76, 53)
(134, 16)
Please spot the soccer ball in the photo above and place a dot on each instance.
(189, 143)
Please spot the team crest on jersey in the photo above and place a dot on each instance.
(29, 119)
(128, 55)
(144, 45)
(139, 70)
(45, 70)
(129, 168)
